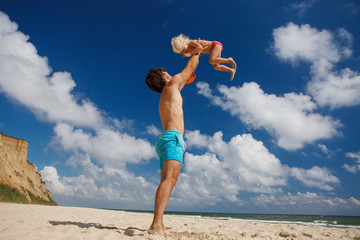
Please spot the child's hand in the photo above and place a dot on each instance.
(186, 55)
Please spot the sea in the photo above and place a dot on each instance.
(312, 220)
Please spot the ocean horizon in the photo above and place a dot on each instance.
(310, 220)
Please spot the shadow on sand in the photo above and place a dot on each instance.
(130, 231)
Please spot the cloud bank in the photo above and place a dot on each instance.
(323, 49)
(226, 169)
(100, 150)
(97, 144)
(306, 203)
(26, 78)
(290, 119)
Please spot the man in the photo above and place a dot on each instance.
(170, 145)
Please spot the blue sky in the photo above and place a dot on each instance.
(282, 137)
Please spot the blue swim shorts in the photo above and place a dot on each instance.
(170, 146)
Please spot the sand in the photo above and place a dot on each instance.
(20, 221)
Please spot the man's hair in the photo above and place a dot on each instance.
(154, 79)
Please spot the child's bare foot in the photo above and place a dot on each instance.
(157, 230)
(232, 63)
(233, 71)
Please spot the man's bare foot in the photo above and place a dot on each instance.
(232, 63)
(233, 71)
(166, 228)
(157, 230)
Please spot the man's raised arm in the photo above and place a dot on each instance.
(180, 79)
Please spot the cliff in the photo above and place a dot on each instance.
(17, 173)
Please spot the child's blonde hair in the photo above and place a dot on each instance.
(180, 42)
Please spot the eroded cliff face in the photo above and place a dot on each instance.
(16, 171)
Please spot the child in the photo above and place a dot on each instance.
(183, 45)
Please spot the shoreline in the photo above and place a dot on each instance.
(22, 221)
(317, 221)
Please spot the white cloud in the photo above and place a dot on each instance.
(101, 152)
(322, 49)
(306, 203)
(294, 43)
(354, 200)
(101, 183)
(194, 139)
(82, 130)
(289, 118)
(26, 78)
(355, 155)
(325, 150)
(354, 168)
(152, 130)
(315, 177)
(242, 164)
(206, 180)
(107, 146)
(50, 176)
(334, 89)
(302, 6)
(351, 168)
(101, 159)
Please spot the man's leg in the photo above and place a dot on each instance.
(169, 176)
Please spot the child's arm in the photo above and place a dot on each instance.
(196, 48)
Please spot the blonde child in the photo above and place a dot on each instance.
(187, 47)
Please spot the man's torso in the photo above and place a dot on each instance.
(171, 111)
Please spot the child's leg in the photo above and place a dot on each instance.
(215, 57)
(225, 69)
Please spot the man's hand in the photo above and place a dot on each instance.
(179, 80)
(195, 46)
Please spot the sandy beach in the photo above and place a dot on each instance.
(19, 221)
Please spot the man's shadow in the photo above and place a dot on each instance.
(130, 231)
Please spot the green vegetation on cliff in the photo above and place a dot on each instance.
(9, 194)
(37, 200)
(13, 195)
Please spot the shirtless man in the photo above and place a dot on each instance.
(170, 146)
